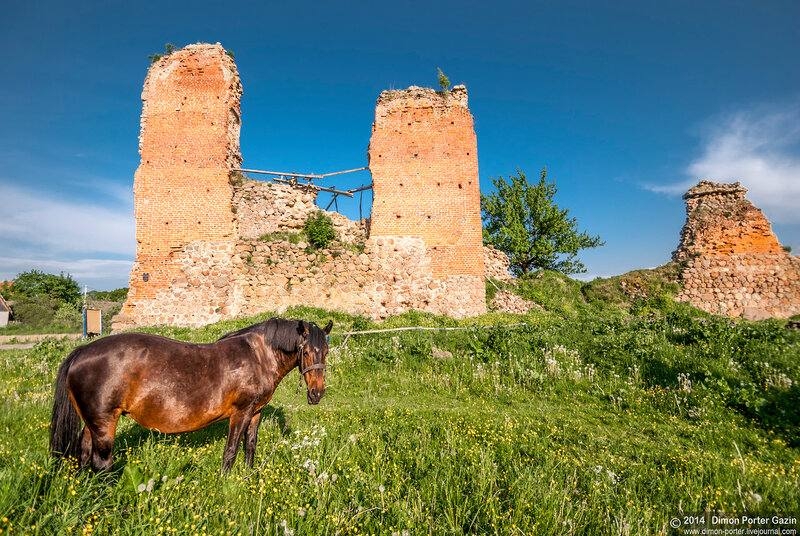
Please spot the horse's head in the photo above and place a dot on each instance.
(312, 350)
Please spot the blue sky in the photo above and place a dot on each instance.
(627, 105)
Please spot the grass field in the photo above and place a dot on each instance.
(577, 420)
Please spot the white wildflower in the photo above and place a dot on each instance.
(310, 466)
(684, 382)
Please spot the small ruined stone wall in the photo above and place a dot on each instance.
(267, 207)
(496, 264)
(264, 208)
(732, 262)
(390, 276)
(222, 280)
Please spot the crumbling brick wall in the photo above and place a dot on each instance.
(732, 262)
(209, 242)
(189, 142)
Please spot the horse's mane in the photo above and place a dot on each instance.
(248, 329)
(282, 334)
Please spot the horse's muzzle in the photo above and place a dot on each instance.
(314, 395)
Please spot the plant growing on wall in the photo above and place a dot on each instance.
(523, 221)
(169, 48)
(319, 229)
(444, 81)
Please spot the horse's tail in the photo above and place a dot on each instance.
(65, 425)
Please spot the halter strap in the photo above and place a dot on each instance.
(314, 366)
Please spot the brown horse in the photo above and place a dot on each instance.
(173, 386)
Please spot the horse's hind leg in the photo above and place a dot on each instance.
(102, 432)
(250, 438)
(86, 447)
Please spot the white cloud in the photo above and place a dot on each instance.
(55, 235)
(52, 225)
(760, 148)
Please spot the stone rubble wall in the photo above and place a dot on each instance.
(508, 302)
(750, 285)
(268, 207)
(198, 292)
(223, 280)
(496, 264)
(732, 262)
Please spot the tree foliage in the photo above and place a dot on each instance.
(523, 221)
(116, 295)
(35, 284)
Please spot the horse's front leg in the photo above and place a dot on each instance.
(238, 423)
(250, 438)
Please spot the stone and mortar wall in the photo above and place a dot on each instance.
(496, 264)
(208, 246)
(732, 262)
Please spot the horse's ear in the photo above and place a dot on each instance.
(302, 329)
(327, 329)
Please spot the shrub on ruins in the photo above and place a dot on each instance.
(169, 48)
(444, 81)
(319, 230)
(523, 221)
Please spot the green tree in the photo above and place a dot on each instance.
(523, 221)
(35, 284)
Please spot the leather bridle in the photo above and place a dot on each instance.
(313, 366)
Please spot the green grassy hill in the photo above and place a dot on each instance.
(609, 412)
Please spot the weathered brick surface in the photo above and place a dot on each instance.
(423, 156)
(732, 262)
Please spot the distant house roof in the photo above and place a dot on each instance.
(3, 305)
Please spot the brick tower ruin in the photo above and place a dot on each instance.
(212, 244)
(732, 262)
(423, 156)
(189, 142)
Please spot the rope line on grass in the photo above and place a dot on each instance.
(348, 334)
